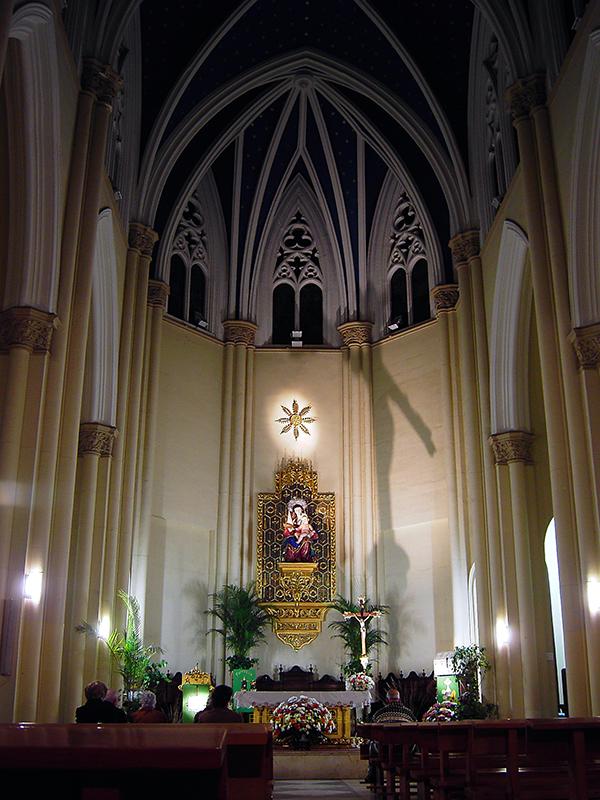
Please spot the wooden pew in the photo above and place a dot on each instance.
(249, 760)
(114, 762)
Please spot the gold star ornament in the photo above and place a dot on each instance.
(295, 419)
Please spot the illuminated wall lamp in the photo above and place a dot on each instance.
(502, 633)
(593, 593)
(104, 627)
(32, 587)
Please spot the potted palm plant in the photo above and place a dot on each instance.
(348, 630)
(242, 623)
(134, 660)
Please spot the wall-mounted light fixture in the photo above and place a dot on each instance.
(32, 586)
(502, 632)
(104, 627)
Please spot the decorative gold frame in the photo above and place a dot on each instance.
(298, 595)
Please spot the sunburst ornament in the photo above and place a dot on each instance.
(295, 419)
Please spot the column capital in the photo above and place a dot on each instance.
(512, 446)
(355, 333)
(586, 343)
(96, 438)
(22, 326)
(142, 238)
(525, 95)
(101, 80)
(158, 292)
(445, 297)
(464, 246)
(239, 331)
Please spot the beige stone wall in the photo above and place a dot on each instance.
(412, 499)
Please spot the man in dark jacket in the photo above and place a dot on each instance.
(96, 708)
(218, 711)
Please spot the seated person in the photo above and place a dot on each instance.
(217, 710)
(392, 711)
(96, 708)
(147, 712)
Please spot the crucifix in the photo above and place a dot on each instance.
(361, 616)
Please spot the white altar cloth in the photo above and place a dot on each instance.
(253, 699)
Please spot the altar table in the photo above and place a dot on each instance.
(341, 705)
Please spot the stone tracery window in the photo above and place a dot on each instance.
(298, 286)
(189, 260)
(407, 268)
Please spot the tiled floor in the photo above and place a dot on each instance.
(340, 790)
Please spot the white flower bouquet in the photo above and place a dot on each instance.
(301, 719)
(360, 682)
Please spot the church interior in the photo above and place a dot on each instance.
(326, 267)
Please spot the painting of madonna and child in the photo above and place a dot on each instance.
(298, 534)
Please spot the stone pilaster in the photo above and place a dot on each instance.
(100, 80)
(511, 446)
(158, 293)
(238, 331)
(586, 342)
(525, 95)
(355, 333)
(142, 239)
(464, 246)
(445, 297)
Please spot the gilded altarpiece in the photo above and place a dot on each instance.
(296, 556)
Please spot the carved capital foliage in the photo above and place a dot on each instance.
(238, 331)
(525, 95)
(158, 292)
(142, 238)
(464, 246)
(27, 327)
(96, 438)
(101, 80)
(586, 342)
(512, 446)
(445, 297)
(355, 333)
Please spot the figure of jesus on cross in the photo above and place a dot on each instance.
(361, 616)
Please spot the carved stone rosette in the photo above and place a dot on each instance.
(586, 342)
(445, 297)
(96, 438)
(512, 446)
(158, 292)
(464, 246)
(525, 95)
(26, 327)
(142, 238)
(355, 333)
(239, 331)
(101, 80)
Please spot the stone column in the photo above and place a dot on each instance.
(141, 243)
(586, 342)
(513, 448)
(235, 490)
(445, 298)
(524, 96)
(158, 293)
(6, 11)
(95, 441)
(360, 541)
(144, 240)
(103, 82)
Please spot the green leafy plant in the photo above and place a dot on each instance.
(243, 621)
(133, 659)
(470, 663)
(348, 630)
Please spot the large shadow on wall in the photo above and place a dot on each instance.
(405, 616)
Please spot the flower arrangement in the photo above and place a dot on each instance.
(360, 682)
(301, 719)
(442, 712)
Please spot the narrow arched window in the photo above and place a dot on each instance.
(311, 314)
(399, 300)
(197, 296)
(420, 292)
(284, 302)
(177, 288)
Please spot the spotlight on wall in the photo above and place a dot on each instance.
(104, 627)
(395, 324)
(502, 632)
(32, 587)
(593, 593)
(296, 338)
